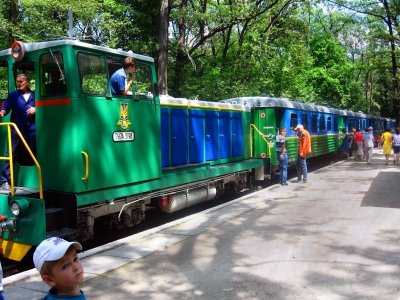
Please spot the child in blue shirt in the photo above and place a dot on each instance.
(59, 266)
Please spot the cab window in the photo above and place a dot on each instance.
(142, 87)
(92, 74)
(52, 75)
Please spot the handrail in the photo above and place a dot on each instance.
(86, 165)
(201, 106)
(262, 135)
(10, 158)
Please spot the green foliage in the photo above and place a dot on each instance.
(3, 81)
(303, 50)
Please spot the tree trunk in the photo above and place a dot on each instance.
(13, 19)
(180, 56)
(163, 52)
(394, 63)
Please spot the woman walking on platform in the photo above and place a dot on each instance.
(387, 144)
(396, 145)
(358, 139)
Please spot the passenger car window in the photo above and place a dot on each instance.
(314, 123)
(322, 123)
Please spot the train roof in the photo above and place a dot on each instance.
(5, 52)
(360, 114)
(349, 113)
(262, 101)
(267, 101)
(168, 100)
(49, 44)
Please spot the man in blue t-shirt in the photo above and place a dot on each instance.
(118, 83)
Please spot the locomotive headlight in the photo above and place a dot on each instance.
(19, 207)
(18, 50)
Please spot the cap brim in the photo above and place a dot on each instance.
(59, 251)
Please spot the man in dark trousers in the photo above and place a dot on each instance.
(21, 103)
(281, 155)
(304, 149)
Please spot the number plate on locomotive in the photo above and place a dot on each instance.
(123, 136)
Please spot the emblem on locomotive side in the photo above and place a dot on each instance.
(123, 118)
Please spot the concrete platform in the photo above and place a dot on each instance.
(335, 237)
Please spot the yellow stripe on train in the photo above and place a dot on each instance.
(14, 250)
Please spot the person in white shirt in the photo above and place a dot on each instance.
(369, 144)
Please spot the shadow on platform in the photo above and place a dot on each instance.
(383, 191)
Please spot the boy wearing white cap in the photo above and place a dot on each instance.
(58, 264)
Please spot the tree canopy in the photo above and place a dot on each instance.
(342, 53)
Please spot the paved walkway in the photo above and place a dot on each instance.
(336, 237)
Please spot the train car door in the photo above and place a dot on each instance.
(196, 136)
(179, 134)
(237, 134)
(212, 135)
(225, 134)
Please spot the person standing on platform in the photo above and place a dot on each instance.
(59, 266)
(344, 147)
(396, 145)
(358, 139)
(304, 149)
(21, 103)
(369, 144)
(387, 144)
(281, 155)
